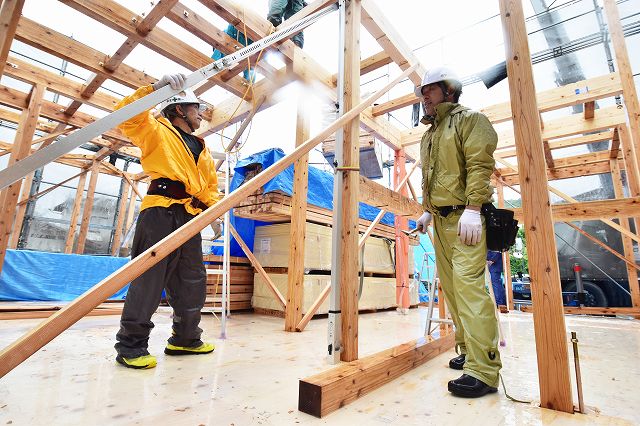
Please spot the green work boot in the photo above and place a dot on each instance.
(141, 362)
(204, 348)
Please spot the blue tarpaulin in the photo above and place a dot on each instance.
(35, 275)
(320, 193)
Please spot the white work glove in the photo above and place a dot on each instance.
(423, 222)
(470, 227)
(176, 81)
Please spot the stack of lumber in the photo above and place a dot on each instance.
(241, 285)
(272, 246)
(275, 207)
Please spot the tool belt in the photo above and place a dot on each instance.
(173, 189)
(445, 211)
(502, 228)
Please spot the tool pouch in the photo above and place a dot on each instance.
(502, 228)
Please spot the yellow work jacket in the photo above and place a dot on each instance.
(166, 155)
(457, 158)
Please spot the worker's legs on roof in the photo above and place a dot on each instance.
(472, 308)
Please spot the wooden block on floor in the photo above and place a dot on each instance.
(323, 393)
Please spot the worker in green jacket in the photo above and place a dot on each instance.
(280, 10)
(457, 162)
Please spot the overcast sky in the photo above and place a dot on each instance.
(465, 35)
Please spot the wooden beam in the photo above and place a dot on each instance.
(28, 344)
(591, 158)
(21, 211)
(548, 318)
(402, 240)
(627, 243)
(389, 39)
(376, 195)
(607, 135)
(570, 310)
(370, 64)
(53, 111)
(10, 11)
(629, 91)
(599, 243)
(506, 261)
(394, 104)
(324, 393)
(604, 119)
(589, 109)
(601, 167)
(54, 43)
(295, 277)
(88, 208)
(22, 146)
(75, 212)
(591, 210)
(346, 183)
(122, 213)
(56, 83)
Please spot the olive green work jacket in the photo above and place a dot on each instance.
(457, 158)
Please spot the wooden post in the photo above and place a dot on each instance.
(22, 210)
(630, 165)
(88, 207)
(131, 210)
(117, 236)
(402, 240)
(77, 204)
(295, 278)
(346, 252)
(506, 257)
(10, 11)
(627, 244)
(548, 316)
(629, 92)
(21, 148)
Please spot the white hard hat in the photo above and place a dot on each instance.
(435, 75)
(185, 97)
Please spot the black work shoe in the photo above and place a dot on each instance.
(457, 363)
(469, 387)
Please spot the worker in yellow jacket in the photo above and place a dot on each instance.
(457, 162)
(183, 184)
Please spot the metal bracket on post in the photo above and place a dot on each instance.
(334, 331)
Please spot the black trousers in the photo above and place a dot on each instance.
(181, 274)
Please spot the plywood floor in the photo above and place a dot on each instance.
(252, 377)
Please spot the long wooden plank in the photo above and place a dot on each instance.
(295, 272)
(35, 339)
(606, 135)
(324, 393)
(122, 212)
(21, 211)
(548, 318)
(376, 195)
(10, 11)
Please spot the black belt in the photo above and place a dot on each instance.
(173, 189)
(445, 211)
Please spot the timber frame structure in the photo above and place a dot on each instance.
(531, 141)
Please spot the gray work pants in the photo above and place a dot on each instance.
(181, 274)
(279, 9)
